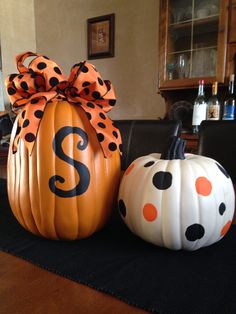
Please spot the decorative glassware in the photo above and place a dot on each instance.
(170, 67)
(183, 66)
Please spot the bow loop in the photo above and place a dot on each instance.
(20, 61)
(85, 77)
(43, 80)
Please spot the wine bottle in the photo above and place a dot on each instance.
(213, 105)
(199, 108)
(229, 104)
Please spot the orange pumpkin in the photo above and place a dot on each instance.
(65, 188)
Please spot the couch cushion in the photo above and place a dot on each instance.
(217, 140)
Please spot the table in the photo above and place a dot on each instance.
(26, 289)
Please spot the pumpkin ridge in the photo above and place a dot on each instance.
(74, 122)
(34, 219)
(208, 239)
(19, 192)
(23, 210)
(54, 161)
(35, 194)
(192, 166)
(162, 201)
(179, 205)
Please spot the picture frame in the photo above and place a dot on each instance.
(100, 32)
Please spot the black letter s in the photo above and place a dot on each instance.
(82, 170)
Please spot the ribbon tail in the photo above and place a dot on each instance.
(28, 123)
(108, 135)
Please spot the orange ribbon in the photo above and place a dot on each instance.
(43, 81)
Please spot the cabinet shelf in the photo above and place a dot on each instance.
(197, 21)
(192, 47)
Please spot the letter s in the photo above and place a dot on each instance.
(82, 170)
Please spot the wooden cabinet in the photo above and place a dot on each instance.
(193, 42)
(232, 22)
(197, 40)
(231, 47)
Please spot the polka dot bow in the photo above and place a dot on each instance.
(43, 81)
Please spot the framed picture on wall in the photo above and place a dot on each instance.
(101, 36)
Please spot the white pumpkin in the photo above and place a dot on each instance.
(177, 201)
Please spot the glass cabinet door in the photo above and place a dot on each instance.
(192, 45)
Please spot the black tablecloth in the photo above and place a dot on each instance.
(118, 263)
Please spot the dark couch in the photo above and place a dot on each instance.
(142, 137)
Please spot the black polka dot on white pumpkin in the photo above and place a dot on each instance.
(149, 164)
(222, 208)
(162, 180)
(194, 232)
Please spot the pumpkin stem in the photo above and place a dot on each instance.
(174, 149)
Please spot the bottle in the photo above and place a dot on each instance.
(199, 108)
(213, 105)
(229, 104)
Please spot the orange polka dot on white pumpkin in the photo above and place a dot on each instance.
(129, 169)
(225, 228)
(150, 212)
(203, 186)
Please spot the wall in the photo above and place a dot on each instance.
(61, 34)
(17, 25)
